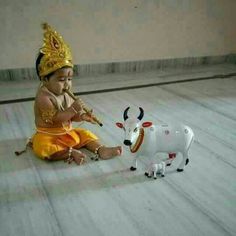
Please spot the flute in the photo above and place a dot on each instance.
(84, 107)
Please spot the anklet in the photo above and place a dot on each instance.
(70, 152)
(69, 158)
(96, 156)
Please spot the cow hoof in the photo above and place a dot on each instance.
(133, 168)
(180, 170)
(147, 174)
(187, 161)
(155, 178)
(169, 164)
(162, 175)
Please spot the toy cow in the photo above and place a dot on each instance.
(155, 169)
(147, 139)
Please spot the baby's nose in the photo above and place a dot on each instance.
(66, 85)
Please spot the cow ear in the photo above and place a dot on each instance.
(119, 125)
(146, 124)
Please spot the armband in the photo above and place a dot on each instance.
(47, 115)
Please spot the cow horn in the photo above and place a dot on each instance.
(125, 115)
(140, 117)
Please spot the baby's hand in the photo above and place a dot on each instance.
(77, 156)
(89, 117)
(77, 105)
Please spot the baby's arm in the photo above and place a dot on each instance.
(50, 115)
(84, 117)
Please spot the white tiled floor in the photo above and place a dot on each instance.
(105, 198)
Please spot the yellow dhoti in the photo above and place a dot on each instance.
(48, 141)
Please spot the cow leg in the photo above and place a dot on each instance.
(183, 162)
(134, 166)
(149, 174)
(172, 156)
(155, 175)
(150, 171)
(163, 168)
(154, 168)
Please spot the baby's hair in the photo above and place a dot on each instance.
(38, 59)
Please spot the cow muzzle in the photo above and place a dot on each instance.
(127, 142)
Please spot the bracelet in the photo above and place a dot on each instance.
(75, 111)
(82, 113)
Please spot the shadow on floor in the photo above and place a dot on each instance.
(68, 179)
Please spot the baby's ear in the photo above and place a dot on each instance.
(119, 125)
(44, 79)
(146, 124)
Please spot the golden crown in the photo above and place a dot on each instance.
(56, 53)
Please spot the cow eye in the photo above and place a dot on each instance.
(124, 128)
(135, 130)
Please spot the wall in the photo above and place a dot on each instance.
(118, 30)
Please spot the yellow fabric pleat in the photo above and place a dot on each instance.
(48, 141)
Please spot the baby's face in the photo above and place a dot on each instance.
(60, 80)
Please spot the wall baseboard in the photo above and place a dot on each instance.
(122, 67)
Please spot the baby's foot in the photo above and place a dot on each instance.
(109, 152)
(78, 156)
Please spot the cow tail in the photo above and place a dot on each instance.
(192, 138)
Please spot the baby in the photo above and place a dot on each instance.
(55, 110)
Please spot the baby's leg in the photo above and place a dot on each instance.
(68, 155)
(58, 156)
(103, 151)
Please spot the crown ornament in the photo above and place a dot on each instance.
(56, 53)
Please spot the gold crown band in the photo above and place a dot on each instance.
(56, 53)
